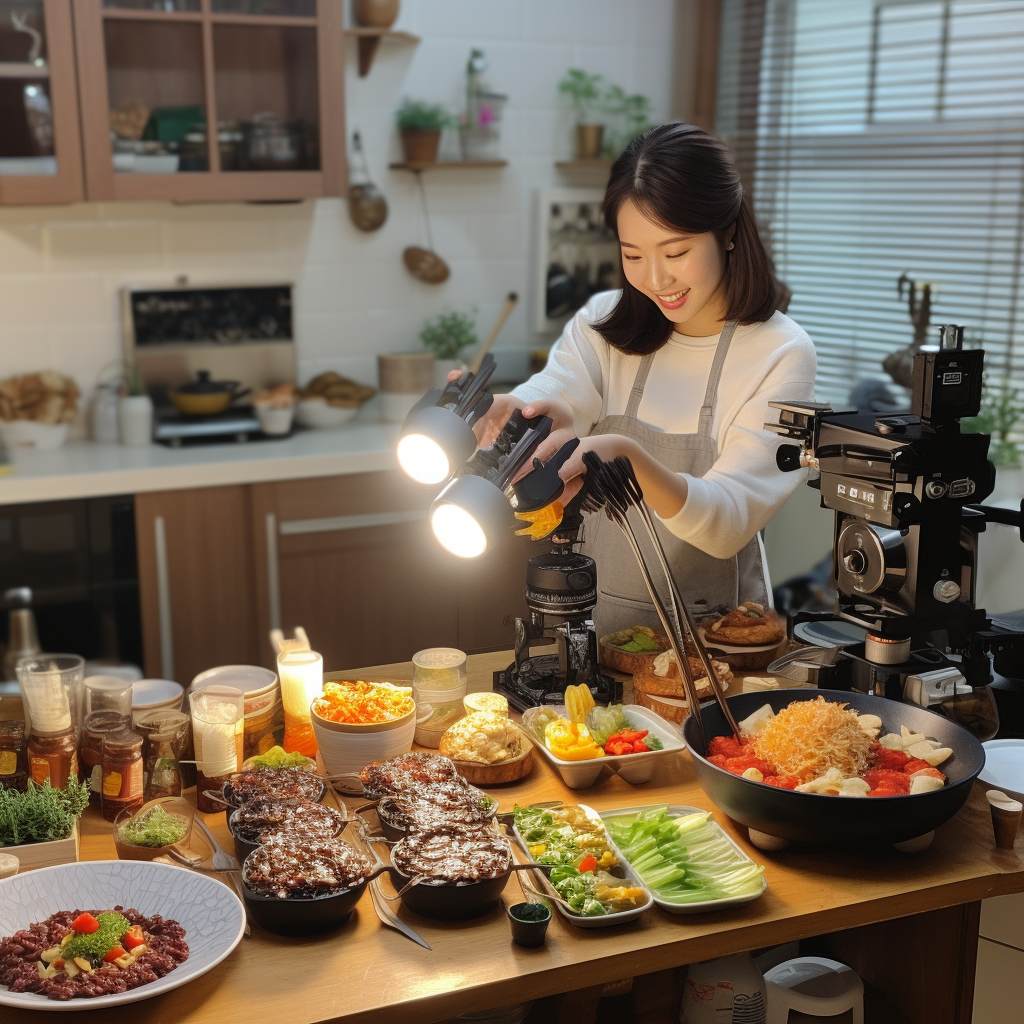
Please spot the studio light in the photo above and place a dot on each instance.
(470, 515)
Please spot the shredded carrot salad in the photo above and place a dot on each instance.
(356, 702)
(809, 737)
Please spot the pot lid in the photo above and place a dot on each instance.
(202, 385)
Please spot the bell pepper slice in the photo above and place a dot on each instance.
(86, 924)
(133, 937)
(114, 954)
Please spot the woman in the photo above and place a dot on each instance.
(675, 371)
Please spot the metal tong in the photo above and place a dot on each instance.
(612, 487)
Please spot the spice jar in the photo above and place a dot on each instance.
(13, 756)
(166, 736)
(97, 725)
(217, 727)
(51, 686)
(122, 772)
(53, 756)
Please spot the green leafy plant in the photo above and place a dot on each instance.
(628, 117)
(449, 333)
(133, 385)
(1000, 414)
(585, 91)
(41, 814)
(417, 115)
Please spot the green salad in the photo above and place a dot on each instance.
(576, 846)
(685, 859)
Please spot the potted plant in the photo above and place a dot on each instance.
(585, 92)
(420, 126)
(630, 116)
(40, 826)
(446, 336)
(134, 410)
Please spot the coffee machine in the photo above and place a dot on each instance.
(561, 593)
(904, 490)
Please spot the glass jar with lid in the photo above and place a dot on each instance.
(438, 686)
(13, 755)
(166, 734)
(122, 772)
(96, 727)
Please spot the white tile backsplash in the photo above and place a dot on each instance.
(61, 267)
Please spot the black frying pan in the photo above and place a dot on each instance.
(817, 818)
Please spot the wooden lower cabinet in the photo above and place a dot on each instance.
(196, 581)
(353, 561)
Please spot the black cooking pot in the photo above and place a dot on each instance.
(243, 847)
(836, 820)
(393, 828)
(452, 901)
(228, 797)
(311, 915)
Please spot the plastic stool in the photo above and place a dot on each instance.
(815, 986)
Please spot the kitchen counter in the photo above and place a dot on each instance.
(921, 959)
(83, 469)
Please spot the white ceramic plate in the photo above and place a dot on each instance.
(679, 811)
(540, 880)
(633, 768)
(211, 914)
(1004, 766)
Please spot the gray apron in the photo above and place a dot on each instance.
(703, 581)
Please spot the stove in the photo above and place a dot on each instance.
(237, 424)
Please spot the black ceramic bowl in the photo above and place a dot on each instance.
(450, 901)
(817, 818)
(243, 847)
(229, 797)
(311, 915)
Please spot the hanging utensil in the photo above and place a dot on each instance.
(366, 203)
(510, 301)
(425, 264)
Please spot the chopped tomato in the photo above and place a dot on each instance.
(894, 760)
(738, 765)
(782, 781)
(915, 765)
(86, 924)
(133, 937)
(114, 954)
(718, 760)
(928, 770)
(885, 779)
(587, 864)
(729, 746)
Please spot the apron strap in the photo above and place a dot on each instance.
(638, 385)
(707, 411)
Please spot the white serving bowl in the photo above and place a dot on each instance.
(150, 694)
(41, 437)
(318, 414)
(347, 748)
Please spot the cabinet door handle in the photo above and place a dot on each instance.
(273, 572)
(163, 599)
(332, 524)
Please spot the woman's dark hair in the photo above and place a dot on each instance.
(684, 178)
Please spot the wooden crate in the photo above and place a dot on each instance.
(42, 855)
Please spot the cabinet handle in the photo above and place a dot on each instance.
(273, 572)
(333, 524)
(163, 599)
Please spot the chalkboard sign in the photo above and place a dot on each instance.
(223, 316)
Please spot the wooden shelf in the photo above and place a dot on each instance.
(10, 69)
(369, 39)
(431, 165)
(569, 166)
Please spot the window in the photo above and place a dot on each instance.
(880, 139)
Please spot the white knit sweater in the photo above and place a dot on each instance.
(766, 362)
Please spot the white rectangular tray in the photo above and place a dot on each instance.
(541, 882)
(635, 769)
(679, 811)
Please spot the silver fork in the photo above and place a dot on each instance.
(223, 861)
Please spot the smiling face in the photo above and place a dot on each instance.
(683, 274)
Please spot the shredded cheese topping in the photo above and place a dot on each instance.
(809, 737)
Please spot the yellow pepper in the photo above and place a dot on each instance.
(570, 742)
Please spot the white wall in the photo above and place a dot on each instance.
(61, 267)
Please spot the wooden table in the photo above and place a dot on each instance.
(922, 961)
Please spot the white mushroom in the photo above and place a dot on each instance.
(922, 783)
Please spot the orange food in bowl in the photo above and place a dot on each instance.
(355, 702)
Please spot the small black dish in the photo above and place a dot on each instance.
(529, 923)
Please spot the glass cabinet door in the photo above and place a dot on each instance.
(40, 156)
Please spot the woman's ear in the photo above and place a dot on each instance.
(730, 240)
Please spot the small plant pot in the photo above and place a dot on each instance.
(588, 141)
(420, 146)
(135, 420)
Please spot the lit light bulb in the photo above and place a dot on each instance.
(458, 531)
(423, 459)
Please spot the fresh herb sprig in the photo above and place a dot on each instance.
(42, 814)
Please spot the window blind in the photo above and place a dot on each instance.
(882, 138)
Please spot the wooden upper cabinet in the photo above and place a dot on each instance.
(201, 100)
(40, 145)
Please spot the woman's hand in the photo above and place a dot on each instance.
(664, 490)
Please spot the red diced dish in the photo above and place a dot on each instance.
(719, 760)
(86, 924)
(133, 937)
(782, 781)
(927, 770)
(738, 765)
(884, 782)
(894, 760)
(116, 952)
(728, 746)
